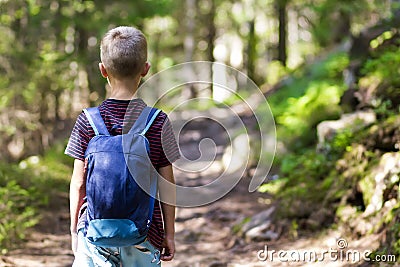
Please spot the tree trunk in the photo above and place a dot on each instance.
(211, 32)
(210, 39)
(282, 45)
(189, 43)
(251, 51)
(156, 49)
(342, 28)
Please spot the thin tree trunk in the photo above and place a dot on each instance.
(282, 45)
(189, 47)
(251, 51)
(210, 40)
(343, 26)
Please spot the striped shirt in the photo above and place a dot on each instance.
(163, 147)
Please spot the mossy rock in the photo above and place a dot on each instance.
(383, 178)
(384, 136)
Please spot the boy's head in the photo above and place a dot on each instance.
(123, 52)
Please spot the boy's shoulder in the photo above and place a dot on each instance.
(115, 110)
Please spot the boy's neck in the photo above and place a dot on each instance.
(123, 89)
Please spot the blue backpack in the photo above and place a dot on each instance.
(119, 173)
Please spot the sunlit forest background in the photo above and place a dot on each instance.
(330, 70)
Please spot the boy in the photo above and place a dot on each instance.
(123, 63)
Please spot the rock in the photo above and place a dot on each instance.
(346, 213)
(382, 177)
(257, 231)
(352, 121)
(361, 226)
(258, 228)
(270, 235)
(256, 234)
(385, 135)
(259, 219)
(365, 225)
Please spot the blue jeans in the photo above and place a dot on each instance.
(142, 255)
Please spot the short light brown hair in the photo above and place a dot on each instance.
(123, 51)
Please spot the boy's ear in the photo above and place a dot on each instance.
(145, 69)
(103, 70)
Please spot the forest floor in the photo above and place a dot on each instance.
(204, 235)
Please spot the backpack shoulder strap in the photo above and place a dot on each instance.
(150, 119)
(145, 120)
(96, 121)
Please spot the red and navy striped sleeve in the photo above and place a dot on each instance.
(79, 138)
(163, 147)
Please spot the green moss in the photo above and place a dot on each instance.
(367, 187)
(272, 187)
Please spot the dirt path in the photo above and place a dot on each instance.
(205, 235)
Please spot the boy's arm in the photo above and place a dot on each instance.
(168, 212)
(77, 192)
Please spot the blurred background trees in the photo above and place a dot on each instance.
(49, 50)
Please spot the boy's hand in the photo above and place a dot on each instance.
(169, 249)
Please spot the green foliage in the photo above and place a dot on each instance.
(15, 216)
(313, 180)
(381, 81)
(320, 102)
(293, 230)
(385, 109)
(15, 213)
(342, 142)
(275, 72)
(305, 182)
(332, 179)
(384, 65)
(26, 188)
(272, 187)
(50, 60)
(349, 17)
(311, 97)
